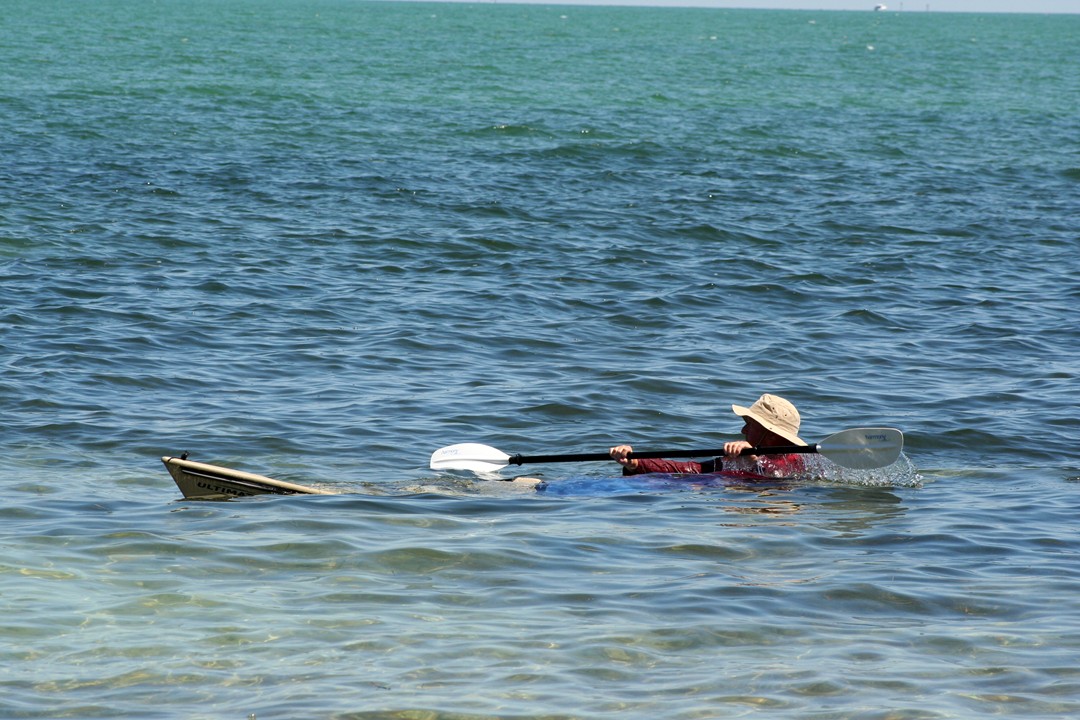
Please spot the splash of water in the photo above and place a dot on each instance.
(901, 473)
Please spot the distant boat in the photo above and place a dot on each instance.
(880, 7)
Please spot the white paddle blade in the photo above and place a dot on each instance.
(469, 456)
(863, 448)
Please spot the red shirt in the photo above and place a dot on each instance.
(767, 466)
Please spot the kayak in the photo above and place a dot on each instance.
(203, 481)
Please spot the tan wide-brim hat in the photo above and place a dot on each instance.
(776, 415)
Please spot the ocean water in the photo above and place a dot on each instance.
(320, 239)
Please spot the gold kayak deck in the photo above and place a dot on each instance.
(213, 482)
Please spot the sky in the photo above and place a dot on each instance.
(1028, 6)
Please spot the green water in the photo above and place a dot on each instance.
(319, 240)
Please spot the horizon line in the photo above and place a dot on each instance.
(925, 7)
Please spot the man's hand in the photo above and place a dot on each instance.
(619, 453)
(734, 448)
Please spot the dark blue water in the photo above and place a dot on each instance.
(319, 240)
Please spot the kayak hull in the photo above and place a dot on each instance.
(203, 481)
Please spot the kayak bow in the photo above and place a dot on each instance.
(212, 482)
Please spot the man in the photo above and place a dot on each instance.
(770, 422)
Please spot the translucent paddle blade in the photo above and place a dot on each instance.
(863, 448)
(469, 456)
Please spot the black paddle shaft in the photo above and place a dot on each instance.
(520, 459)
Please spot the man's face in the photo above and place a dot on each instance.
(754, 433)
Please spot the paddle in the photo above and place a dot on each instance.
(858, 448)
